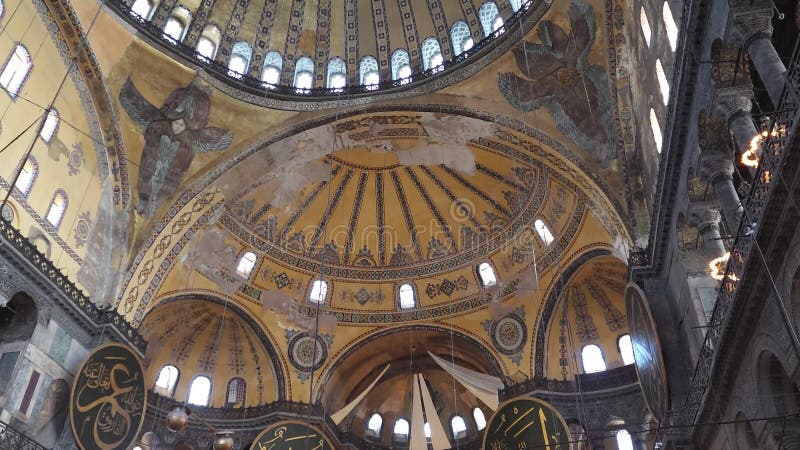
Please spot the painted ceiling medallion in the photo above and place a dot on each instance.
(306, 353)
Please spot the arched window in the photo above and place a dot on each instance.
(543, 232)
(57, 208)
(656, 127)
(236, 392)
(240, 59)
(337, 74)
(488, 13)
(16, 70)
(246, 264)
(480, 419)
(461, 37)
(142, 8)
(645, 23)
(368, 72)
(166, 381)
(319, 290)
(208, 42)
(624, 441)
(27, 176)
(50, 125)
(672, 28)
(459, 427)
(663, 84)
(431, 54)
(592, 358)
(516, 5)
(486, 273)
(271, 73)
(626, 349)
(304, 74)
(407, 297)
(374, 424)
(427, 430)
(199, 391)
(175, 28)
(401, 429)
(401, 64)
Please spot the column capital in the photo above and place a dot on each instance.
(728, 102)
(705, 219)
(715, 164)
(748, 19)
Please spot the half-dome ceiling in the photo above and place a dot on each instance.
(399, 196)
(326, 46)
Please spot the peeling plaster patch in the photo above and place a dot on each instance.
(107, 243)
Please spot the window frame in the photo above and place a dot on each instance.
(644, 24)
(189, 390)
(547, 239)
(20, 81)
(621, 353)
(34, 174)
(150, 10)
(478, 426)
(170, 391)
(239, 260)
(370, 432)
(657, 132)
(53, 113)
(272, 60)
(63, 212)
(243, 389)
(400, 297)
(670, 25)
(602, 359)
(663, 82)
(397, 437)
(303, 67)
(478, 270)
(324, 290)
(458, 435)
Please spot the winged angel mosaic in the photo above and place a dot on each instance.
(557, 75)
(173, 134)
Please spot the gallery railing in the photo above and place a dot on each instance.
(11, 439)
(609, 379)
(76, 297)
(257, 86)
(785, 123)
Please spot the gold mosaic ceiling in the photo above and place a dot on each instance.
(322, 30)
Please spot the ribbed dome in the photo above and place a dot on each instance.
(326, 44)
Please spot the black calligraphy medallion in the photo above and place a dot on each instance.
(647, 352)
(526, 422)
(108, 399)
(288, 435)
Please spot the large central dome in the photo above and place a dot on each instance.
(333, 47)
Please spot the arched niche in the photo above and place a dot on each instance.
(406, 349)
(204, 335)
(779, 397)
(18, 318)
(586, 307)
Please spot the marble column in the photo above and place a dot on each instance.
(750, 27)
(707, 222)
(734, 105)
(718, 168)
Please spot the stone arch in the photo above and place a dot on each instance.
(780, 398)
(18, 318)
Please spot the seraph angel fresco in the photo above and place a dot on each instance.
(173, 134)
(557, 75)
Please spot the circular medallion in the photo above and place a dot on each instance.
(526, 422)
(108, 399)
(307, 353)
(508, 334)
(290, 434)
(647, 352)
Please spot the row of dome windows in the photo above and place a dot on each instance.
(207, 45)
(401, 430)
(199, 392)
(406, 295)
(592, 355)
